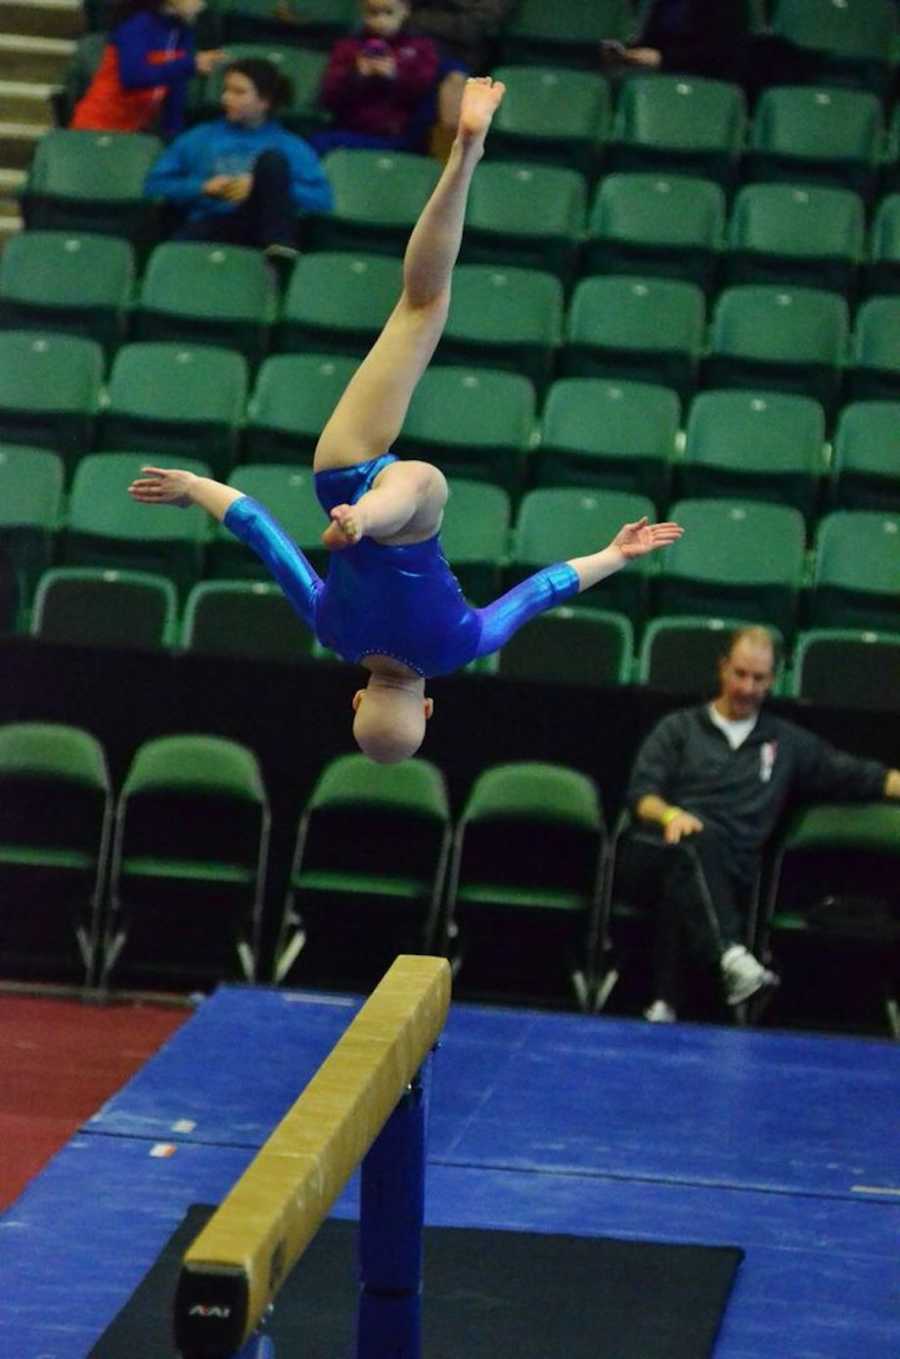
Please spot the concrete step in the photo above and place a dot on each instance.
(23, 102)
(34, 60)
(9, 226)
(17, 143)
(42, 18)
(10, 215)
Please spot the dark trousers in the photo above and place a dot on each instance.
(267, 215)
(699, 894)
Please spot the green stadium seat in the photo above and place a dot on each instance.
(680, 124)
(294, 396)
(106, 528)
(847, 668)
(784, 339)
(671, 225)
(200, 293)
(566, 33)
(802, 134)
(856, 37)
(50, 391)
(649, 329)
(833, 898)
(55, 823)
(558, 523)
(553, 116)
(796, 234)
(571, 646)
(314, 23)
(250, 618)
(882, 274)
(890, 168)
(738, 558)
(527, 215)
(92, 181)
(856, 576)
(615, 435)
(506, 318)
(172, 401)
(31, 501)
(348, 907)
(189, 863)
(338, 302)
(85, 606)
(761, 445)
(525, 878)
(475, 536)
(54, 280)
(681, 654)
(289, 494)
(378, 198)
(874, 368)
(304, 69)
(475, 423)
(865, 468)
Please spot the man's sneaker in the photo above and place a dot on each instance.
(660, 1013)
(743, 974)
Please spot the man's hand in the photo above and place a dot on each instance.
(635, 540)
(163, 486)
(677, 827)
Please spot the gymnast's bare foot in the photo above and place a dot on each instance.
(345, 530)
(480, 101)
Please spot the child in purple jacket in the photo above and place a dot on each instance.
(376, 80)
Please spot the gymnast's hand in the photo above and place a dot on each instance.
(635, 540)
(163, 486)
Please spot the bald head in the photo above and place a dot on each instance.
(389, 724)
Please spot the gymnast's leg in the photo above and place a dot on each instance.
(406, 500)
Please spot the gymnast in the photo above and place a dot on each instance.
(390, 602)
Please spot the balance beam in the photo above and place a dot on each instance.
(233, 1270)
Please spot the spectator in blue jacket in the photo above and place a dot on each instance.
(242, 178)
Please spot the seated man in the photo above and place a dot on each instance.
(242, 178)
(390, 602)
(708, 786)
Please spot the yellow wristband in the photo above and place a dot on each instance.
(669, 815)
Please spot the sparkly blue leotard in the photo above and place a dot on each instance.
(386, 600)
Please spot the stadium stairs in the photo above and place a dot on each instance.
(37, 39)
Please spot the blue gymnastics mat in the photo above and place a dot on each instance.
(554, 1092)
(783, 1145)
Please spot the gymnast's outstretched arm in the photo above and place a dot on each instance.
(555, 584)
(247, 520)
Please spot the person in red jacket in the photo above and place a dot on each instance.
(376, 81)
(149, 58)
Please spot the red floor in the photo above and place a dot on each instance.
(60, 1060)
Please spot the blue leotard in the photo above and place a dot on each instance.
(386, 600)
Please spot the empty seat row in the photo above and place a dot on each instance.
(656, 330)
(584, 646)
(172, 402)
(159, 884)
